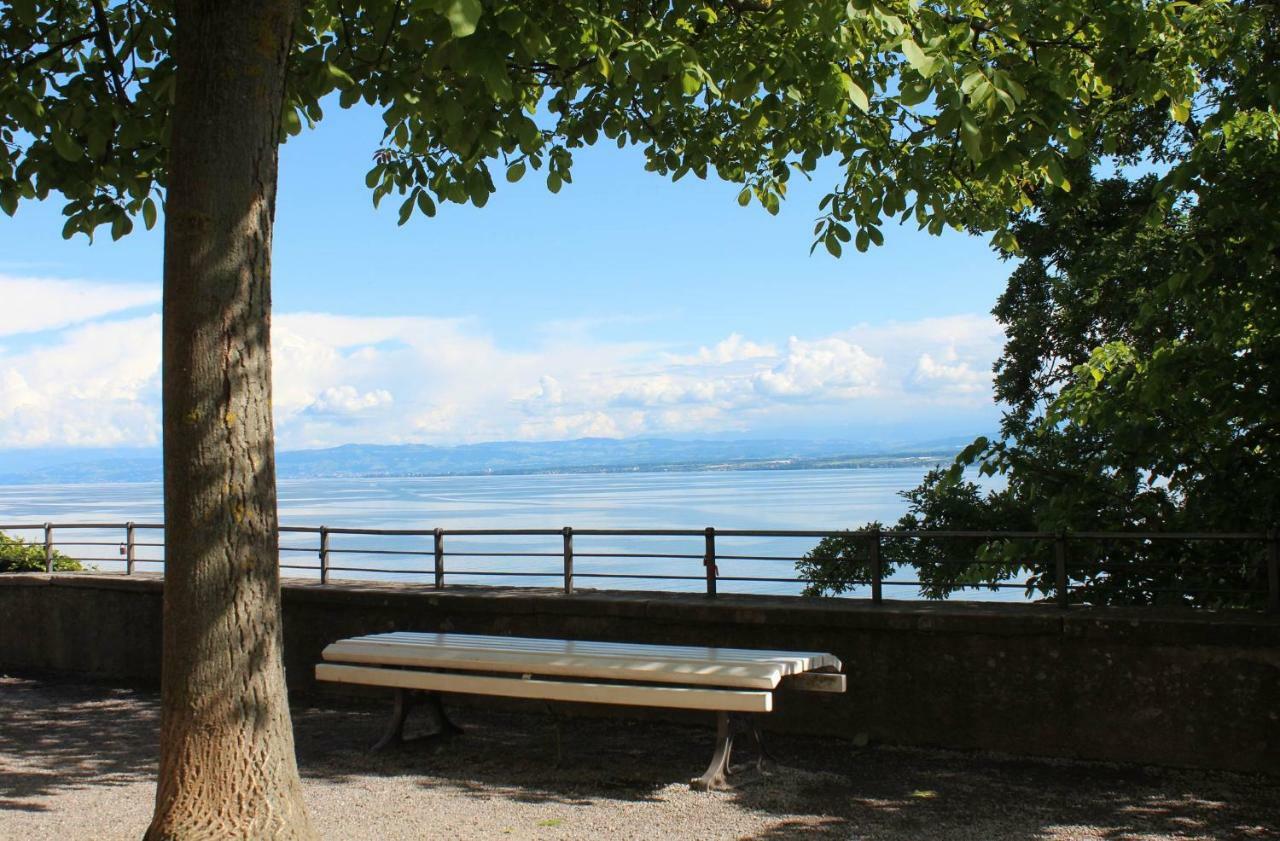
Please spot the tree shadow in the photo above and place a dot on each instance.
(56, 736)
(820, 788)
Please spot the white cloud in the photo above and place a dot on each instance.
(340, 379)
(346, 400)
(826, 369)
(732, 349)
(33, 304)
(97, 385)
(948, 375)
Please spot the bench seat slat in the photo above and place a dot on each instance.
(672, 697)
(743, 668)
(736, 674)
(819, 659)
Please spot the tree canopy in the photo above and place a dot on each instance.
(1141, 368)
(942, 113)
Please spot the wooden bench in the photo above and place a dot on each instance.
(726, 681)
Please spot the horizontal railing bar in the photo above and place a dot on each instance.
(60, 542)
(886, 533)
(294, 548)
(654, 576)
(375, 552)
(638, 555)
(58, 525)
(553, 574)
(377, 569)
(337, 530)
(119, 560)
(1168, 535)
(753, 578)
(501, 532)
(451, 554)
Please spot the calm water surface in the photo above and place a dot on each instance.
(799, 499)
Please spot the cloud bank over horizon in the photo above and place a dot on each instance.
(80, 366)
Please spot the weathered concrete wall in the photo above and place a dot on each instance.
(1147, 686)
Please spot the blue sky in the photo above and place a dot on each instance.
(624, 305)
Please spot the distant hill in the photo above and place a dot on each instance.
(583, 455)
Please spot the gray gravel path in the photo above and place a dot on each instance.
(76, 762)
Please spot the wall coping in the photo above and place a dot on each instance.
(1172, 626)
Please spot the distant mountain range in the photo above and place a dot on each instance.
(583, 455)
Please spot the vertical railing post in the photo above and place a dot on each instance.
(1273, 571)
(439, 550)
(1060, 569)
(568, 560)
(48, 547)
(130, 548)
(877, 568)
(709, 561)
(324, 554)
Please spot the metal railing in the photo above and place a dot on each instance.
(596, 556)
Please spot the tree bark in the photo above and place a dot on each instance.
(227, 764)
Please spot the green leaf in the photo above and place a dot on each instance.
(1180, 111)
(855, 93)
(149, 213)
(464, 16)
(9, 202)
(971, 137)
(515, 172)
(1056, 175)
(425, 204)
(553, 182)
(832, 244)
(744, 197)
(67, 148)
(690, 83)
(292, 122)
(342, 77)
(862, 241)
(916, 58)
(406, 209)
(121, 225)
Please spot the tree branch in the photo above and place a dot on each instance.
(53, 50)
(103, 39)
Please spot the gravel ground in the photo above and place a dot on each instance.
(76, 762)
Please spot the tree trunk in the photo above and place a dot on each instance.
(227, 765)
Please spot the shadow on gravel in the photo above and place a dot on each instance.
(55, 736)
(821, 788)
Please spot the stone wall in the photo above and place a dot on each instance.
(1151, 686)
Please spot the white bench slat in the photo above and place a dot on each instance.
(660, 664)
(745, 675)
(819, 659)
(673, 697)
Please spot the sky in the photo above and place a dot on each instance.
(623, 306)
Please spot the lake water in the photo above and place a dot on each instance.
(766, 500)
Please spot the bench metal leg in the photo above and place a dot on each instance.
(444, 725)
(717, 773)
(764, 759)
(394, 734)
(405, 700)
